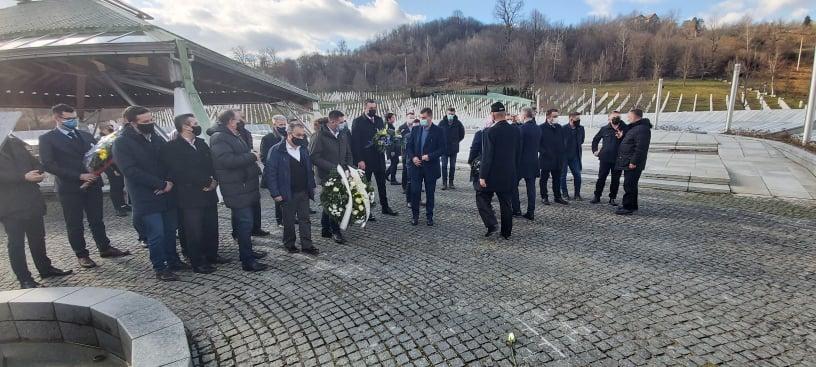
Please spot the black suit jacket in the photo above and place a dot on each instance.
(63, 157)
(18, 198)
(362, 146)
(500, 157)
(190, 169)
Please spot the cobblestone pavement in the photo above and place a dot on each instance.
(692, 279)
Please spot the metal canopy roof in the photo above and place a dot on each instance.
(51, 49)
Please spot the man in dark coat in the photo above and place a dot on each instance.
(551, 157)
(610, 136)
(62, 153)
(236, 170)
(329, 148)
(290, 179)
(394, 151)
(115, 180)
(137, 153)
(454, 134)
(574, 136)
(368, 157)
(190, 167)
(501, 154)
(528, 166)
(632, 153)
(257, 229)
(427, 144)
(404, 131)
(268, 141)
(21, 211)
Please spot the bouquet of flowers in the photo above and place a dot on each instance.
(475, 166)
(347, 197)
(386, 138)
(100, 157)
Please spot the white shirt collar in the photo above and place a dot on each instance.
(294, 152)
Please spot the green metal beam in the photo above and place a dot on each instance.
(189, 86)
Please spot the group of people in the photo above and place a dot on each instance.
(173, 185)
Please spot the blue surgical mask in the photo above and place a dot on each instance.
(341, 126)
(423, 122)
(70, 123)
(451, 116)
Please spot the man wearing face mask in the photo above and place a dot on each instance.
(277, 135)
(257, 229)
(501, 154)
(394, 151)
(405, 130)
(137, 153)
(454, 134)
(610, 136)
(62, 152)
(574, 136)
(189, 163)
(368, 157)
(330, 148)
(423, 150)
(290, 180)
(236, 169)
(551, 157)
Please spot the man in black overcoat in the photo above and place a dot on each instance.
(528, 165)
(551, 157)
(501, 154)
(368, 157)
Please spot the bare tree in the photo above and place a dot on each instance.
(244, 56)
(774, 61)
(622, 40)
(508, 12)
(686, 61)
(536, 27)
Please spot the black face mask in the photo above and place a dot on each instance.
(616, 121)
(372, 113)
(196, 130)
(146, 128)
(577, 122)
(299, 141)
(241, 124)
(281, 130)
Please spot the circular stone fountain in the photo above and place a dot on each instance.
(97, 327)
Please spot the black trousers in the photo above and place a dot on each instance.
(278, 214)
(256, 218)
(201, 234)
(529, 184)
(556, 182)
(378, 174)
(328, 225)
(603, 171)
(392, 167)
(405, 177)
(630, 189)
(76, 206)
(117, 189)
(484, 202)
(17, 229)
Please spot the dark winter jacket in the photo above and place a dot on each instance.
(18, 197)
(140, 163)
(500, 157)
(573, 139)
(634, 147)
(191, 170)
(454, 133)
(327, 152)
(609, 148)
(271, 139)
(362, 142)
(236, 168)
(551, 149)
(63, 157)
(530, 141)
(278, 175)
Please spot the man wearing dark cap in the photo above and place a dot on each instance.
(501, 154)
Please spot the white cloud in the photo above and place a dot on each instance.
(292, 27)
(732, 11)
(600, 8)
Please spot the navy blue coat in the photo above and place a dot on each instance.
(551, 149)
(435, 147)
(530, 141)
(140, 163)
(278, 176)
(573, 139)
(63, 158)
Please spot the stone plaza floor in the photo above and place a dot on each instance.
(691, 279)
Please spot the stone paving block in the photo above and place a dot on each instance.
(104, 314)
(143, 322)
(38, 304)
(172, 341)
(75, 307)
(79, 334)
(38, 331)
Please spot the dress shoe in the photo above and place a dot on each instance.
(292, 250)
(622, 211)
(578, 197)
(86, 262)
(260, 233)
(326, 234)
(561, 201)
(127, 208)
(430, 223)
(414, 222)
(255, 266)
(371, 218)
(444, 187)
(204, 269)
(613, 202)
(219, 260)
(166, 275)
(121, 213)
(54, 272)
(338, 238)
(506, 237)
(143, 244)
(595, 200)
(113, 252)
(312, 211)
(517, 214)
(388, 211)
(395, 183)
(545, 201)
(180, 266)
(28, 284)
(311, 251)
(490, 231)
(451, 186)
(259, 254)
(529, 216)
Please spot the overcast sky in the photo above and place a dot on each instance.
(294, 27)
